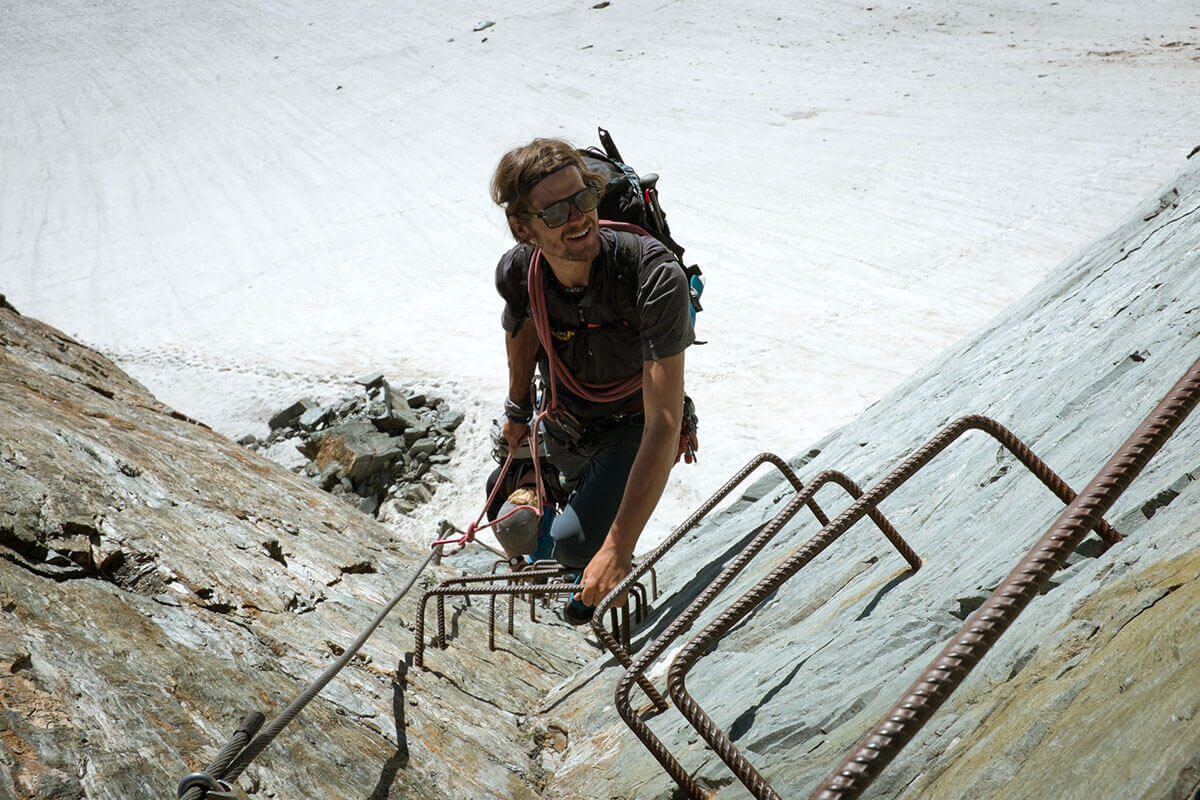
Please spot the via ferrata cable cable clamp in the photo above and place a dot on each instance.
(201, 784)
(219, 781)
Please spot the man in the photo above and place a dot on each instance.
(617, 310)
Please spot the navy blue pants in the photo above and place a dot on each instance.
(594, 470)
(591, 473)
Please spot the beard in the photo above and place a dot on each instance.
(569, 245)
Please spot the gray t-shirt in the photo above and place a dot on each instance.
(635, 308)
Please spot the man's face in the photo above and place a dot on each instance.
(579, 238)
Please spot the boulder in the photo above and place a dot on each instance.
(371, 380)
(289, 415)
(314, 417)
(359, 453)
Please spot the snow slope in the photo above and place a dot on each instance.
(242, 203)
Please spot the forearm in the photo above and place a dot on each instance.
(644, 487)
(522, 350)
(662, 395)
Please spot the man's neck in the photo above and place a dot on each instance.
(571, 274)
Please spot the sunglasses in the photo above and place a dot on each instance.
(556, 214)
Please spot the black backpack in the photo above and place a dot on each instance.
(629, 197)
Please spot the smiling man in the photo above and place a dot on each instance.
(614, 314)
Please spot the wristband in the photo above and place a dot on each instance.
(518, 413)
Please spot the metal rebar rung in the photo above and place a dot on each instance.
(690, 653)
(492, 585)
(981, 630)
(635, 670)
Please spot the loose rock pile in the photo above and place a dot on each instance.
(380, 447)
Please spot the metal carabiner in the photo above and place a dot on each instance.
(227, 792)
(216, 790)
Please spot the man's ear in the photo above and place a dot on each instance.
(520, 230)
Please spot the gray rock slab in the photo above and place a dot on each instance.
(313, 417)
(157, 581)
(289, 415)
(371, 380)
(424, 447)
(451, 420)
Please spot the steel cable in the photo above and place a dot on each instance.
(260, 742)
(197, 785)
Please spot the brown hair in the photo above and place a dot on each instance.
(520, 170)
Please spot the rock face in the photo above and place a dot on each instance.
(158, 581)
(1095, 689)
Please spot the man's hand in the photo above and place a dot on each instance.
(514, 434)
(603, 573)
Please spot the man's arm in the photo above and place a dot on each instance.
(662, 397)
(522, 348)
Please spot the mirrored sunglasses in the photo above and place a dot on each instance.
(556, 214)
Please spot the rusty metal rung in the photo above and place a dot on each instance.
(514, 585)
(635, 670)
(981, 630)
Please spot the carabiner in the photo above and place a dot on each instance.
(216, 790)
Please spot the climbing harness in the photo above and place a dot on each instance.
(553, 410)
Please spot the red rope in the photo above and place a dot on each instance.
(591, 392)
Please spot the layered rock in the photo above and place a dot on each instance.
(157, 582)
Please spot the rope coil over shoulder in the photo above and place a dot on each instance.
(591, 392)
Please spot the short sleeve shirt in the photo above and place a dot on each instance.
(635, 308)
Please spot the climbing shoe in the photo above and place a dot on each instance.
(576, 613)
